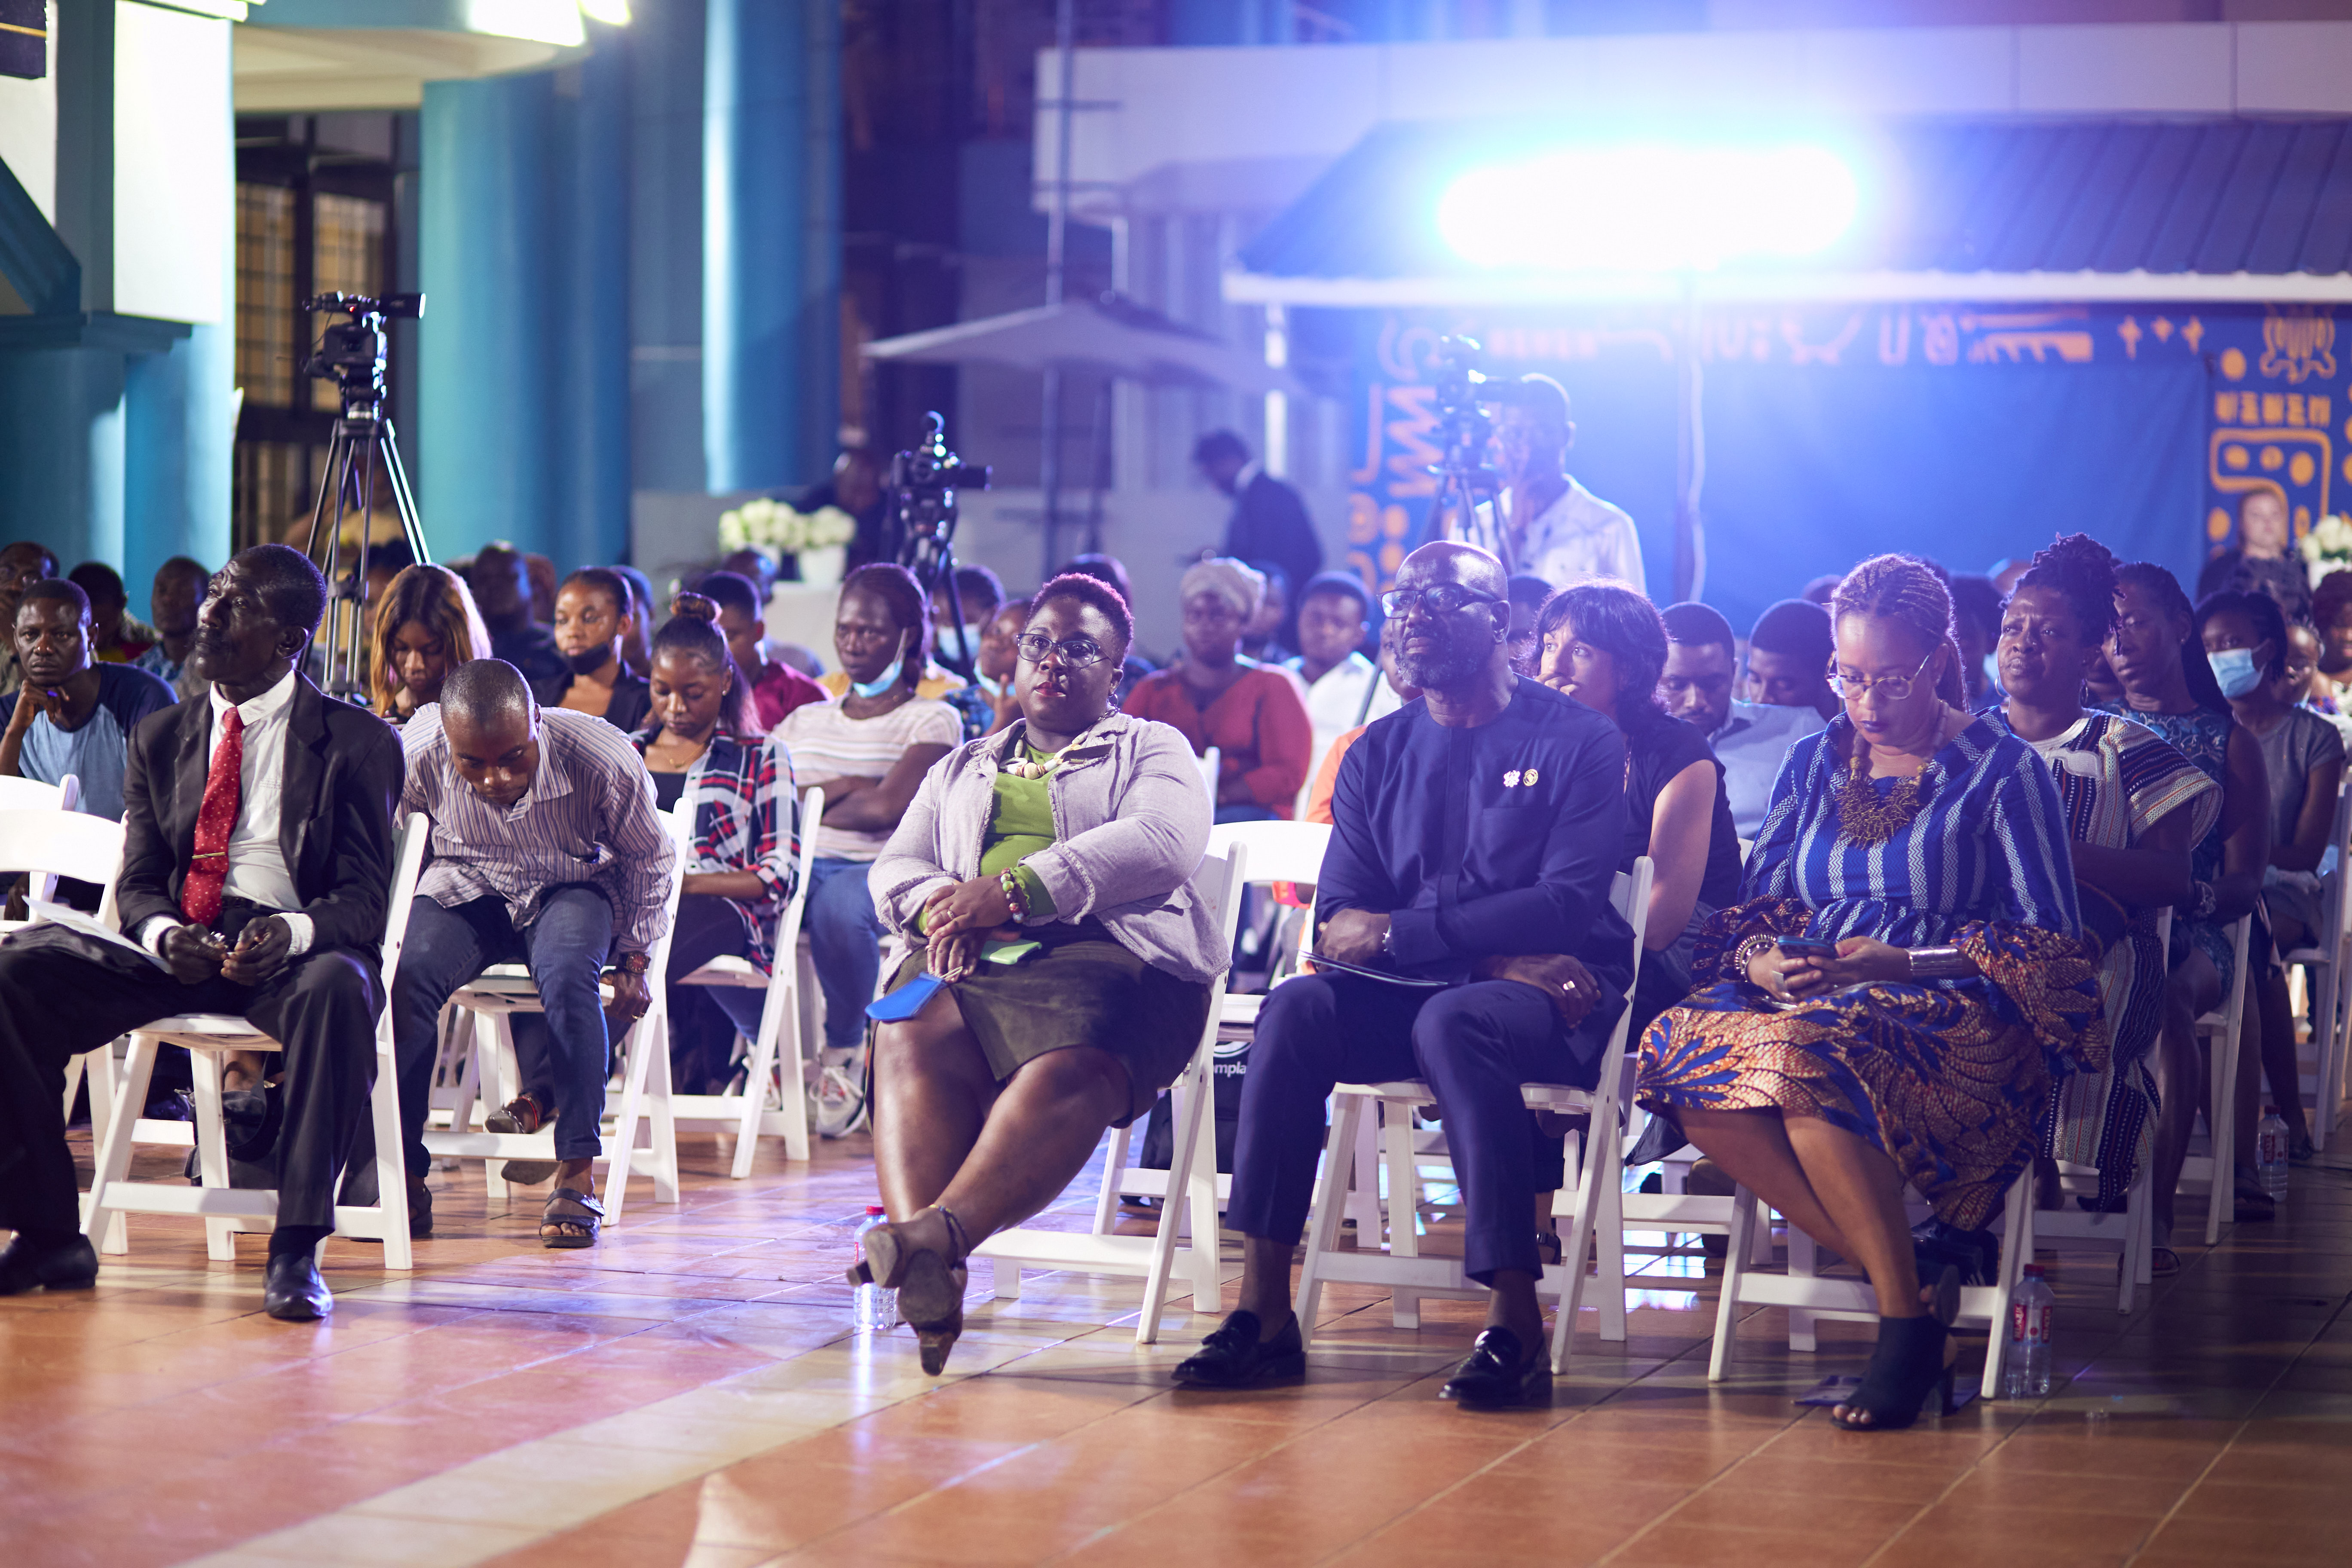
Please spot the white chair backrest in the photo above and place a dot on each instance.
(32, 794)
(61, 844)
(1212, 761)
(407, 867)
(1278, 851)
(788, 926)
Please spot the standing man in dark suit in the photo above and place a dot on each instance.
(257, 850)
(1269, 520)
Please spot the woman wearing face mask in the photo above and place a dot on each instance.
(870, 751)
(2134, 807)
(704, 745)
(2168, 685)
(2245, 638)
(591, 624)
(425, 627)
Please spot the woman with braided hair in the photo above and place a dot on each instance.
(1900, 981)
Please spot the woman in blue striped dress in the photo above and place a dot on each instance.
(1921, 851)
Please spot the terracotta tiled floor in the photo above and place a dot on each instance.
(690, 1392)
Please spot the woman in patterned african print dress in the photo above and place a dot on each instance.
(1929, 847)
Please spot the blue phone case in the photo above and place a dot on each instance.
(905, 1002)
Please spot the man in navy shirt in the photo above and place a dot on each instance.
(1474, 835)
(73, 715)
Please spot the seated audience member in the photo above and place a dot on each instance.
(1252, 715)
(1603, 645)
(1474, 837)
(547, 851)
(1344, 689)
(756, 567)
(1752, 739)
(979, 595)
(704, 745)
(1976, 617)
(500, 577)
(2263, 561)
(172, 602)
(638, 647)
(933, 682)
(1109, 571)
(2133, 806)
(1822, 590)
(1396, 692)
(999, 656)
(1270, 632)
(1076, 832)
(2245, 641)
(1527, 595)
(2169, 686)
(72, 716)
(1929, 846)
(776, 687)
(425, 627)
(1552, 527)
(870, 751)
(2331, 617)
(258, 908)
(22, 564)
(1789, 659)
(542, 570)
(116, 637)
(591, 625)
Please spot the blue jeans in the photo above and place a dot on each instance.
(565, 949)
(846, 941)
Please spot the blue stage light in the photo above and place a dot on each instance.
(1649, 208)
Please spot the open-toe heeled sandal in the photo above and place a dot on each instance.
(931, 1284)
(1907, 1370)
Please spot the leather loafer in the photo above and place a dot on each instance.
(420, 1211)
(293, 1291)
(1235, 1357)
(68, 1266)
(1496, 1375)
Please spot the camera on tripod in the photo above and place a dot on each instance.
(1467, 503)
(351, 354)
(923, 483)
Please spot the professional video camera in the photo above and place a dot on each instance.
(923, 523)
(1464, 483)
(351, 353)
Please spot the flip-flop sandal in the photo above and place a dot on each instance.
(2163, 1263)
(568, 1205)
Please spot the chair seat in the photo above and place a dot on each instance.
(209, 1032)
(728, 971)
(1240, 1010)
(2304, 955)
(1556, 1097)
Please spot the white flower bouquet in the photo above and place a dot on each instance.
(765, 523)
(2327, 548)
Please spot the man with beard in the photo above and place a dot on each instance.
(1475, 836)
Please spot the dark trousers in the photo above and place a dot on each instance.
(1474, 1045)
(61, 994)
(565, 948)
(705, 1019)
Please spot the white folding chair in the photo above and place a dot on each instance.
(45, 842)
(2323, 964)
(768, 1065)
(227, 1210)
(1192, 1172)
(1592, 1211)
(32, 794)
(492, 998)
(2215, 1173)
(1212, 761)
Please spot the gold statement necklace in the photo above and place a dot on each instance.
(1868, 817)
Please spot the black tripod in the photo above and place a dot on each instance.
(923, 485)
(1464, 483)
(352, 355)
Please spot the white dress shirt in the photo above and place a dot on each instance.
(258, 872)
(1577, 538)
(1335, 705)
(1752, 744)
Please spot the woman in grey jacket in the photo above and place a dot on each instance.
(1039, 898)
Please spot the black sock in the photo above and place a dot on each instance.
(45, 1241)
(289, 1238)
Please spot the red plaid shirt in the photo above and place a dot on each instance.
(747, 818)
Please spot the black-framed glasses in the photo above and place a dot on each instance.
(1886, 687)
(1439, 599)
(1076, 653)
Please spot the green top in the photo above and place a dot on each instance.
(1022, 824)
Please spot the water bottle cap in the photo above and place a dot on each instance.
(875, 1208)
(2034, 1270)
(2270, 1110)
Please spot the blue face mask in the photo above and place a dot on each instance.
(2234, 668)
(882, 682)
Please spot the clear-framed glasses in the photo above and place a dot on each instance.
(1441, 599)
(1886, 687)
(1076, 653)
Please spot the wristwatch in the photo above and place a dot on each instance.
(1387, 943)
(631, 964)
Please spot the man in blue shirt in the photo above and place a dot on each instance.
(1752, 739)
(1475, 836)
(73, 715)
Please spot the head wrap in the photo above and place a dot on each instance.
(1230, 580)
(1797, 628)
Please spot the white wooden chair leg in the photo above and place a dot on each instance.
(1735, 1269)
(1760, 1238)
(212, 1151)
(500, 1076)
(1364, 1184)
(106, 1226)
(1114, 1165)
(2016, 1251)
(1804, 1262)
(391, 1157)
(664, 1108)
(73, 1085)
(792, 1086)
(2221, 1118)
(759, 1071)
(1194, 1092)
(1207, 1253)
(1404, 1208)
(621, 1149)
(1323, 1218)
(1608, 1154)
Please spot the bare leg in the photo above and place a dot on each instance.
(1041, 1130)
(2194, 988)
(932, 1091)
(577, 1175)
(1752, 1148)
(243, 1069)
(1863, 1192)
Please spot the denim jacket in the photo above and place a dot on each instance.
(1131, 821)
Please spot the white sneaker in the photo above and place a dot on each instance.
(838, 1100)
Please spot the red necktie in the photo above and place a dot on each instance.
(200, 894)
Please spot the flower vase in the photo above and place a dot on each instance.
(824, 567)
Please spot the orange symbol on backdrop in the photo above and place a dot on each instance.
(2299, 347)
(2233, 364)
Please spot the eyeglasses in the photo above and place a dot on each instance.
(1443, 599)
(1886, 687)
(1076, 653)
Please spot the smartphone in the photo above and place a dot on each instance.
(1807, 947)
(904, 1002)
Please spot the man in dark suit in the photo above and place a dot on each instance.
(1269, 520)
(257, 858)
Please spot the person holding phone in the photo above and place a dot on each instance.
(1055, 956)
(1925, 848)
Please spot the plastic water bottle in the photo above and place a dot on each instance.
(2270, 1153)
(2025, 1373)
(877, 1308)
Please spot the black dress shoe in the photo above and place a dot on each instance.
(250, 1118)
(293, 1291)
(1235, 1357)
(1495, 1374)
(26, 1266)
(420, 1210)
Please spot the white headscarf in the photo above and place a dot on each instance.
(1241, 586)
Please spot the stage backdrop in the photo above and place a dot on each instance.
(1831, 433)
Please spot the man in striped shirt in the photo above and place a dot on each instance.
(547, 850)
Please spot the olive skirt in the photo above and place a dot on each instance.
(1083, 989)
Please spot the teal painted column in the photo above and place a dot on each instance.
(772, 243)
(590, 451)
(61, 449)
(178, 438)
(489, 365)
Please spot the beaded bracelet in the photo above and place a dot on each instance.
(1754, 947)
(1013, 896)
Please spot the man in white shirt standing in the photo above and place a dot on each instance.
(1751, 739)
(1344, 689)
(1554, 528)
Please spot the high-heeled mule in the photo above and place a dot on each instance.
(931, 1284)
(1908, 1366)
